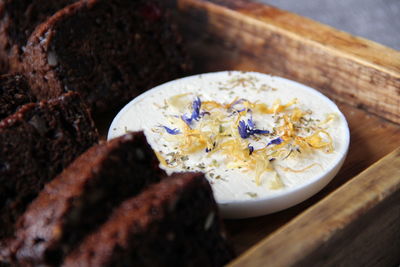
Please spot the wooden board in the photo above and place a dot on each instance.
(240, 34)
(366, 147)
(357, 225)
(353, 217)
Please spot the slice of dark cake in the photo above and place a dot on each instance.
(173, 223)
(37, 143)
(18, 19)
(107, 50)
(14, 92)
(81, 198)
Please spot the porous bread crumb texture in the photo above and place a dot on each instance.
(14, 93)
(108, 51)
(166, 225)
(38, 142)
(81, 198)
(18, 19)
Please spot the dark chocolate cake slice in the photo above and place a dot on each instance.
(81, 198)
(18, 19)
(172, 223)
(14, 92)
(107, 50)
(37, 143)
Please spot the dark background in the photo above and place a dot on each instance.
(376, 20)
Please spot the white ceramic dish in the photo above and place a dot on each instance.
(143, 111)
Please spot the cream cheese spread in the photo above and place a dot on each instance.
(251, 134)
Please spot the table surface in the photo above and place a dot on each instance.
(376, 20)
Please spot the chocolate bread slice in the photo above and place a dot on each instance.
(18, 19)
(14, 92)
(81, 198)
(37, 142)
(173, 223)
(107, 50)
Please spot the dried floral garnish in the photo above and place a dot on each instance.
(174, 131)
(195, 113)
(276, 141)
(242, 81)
(251, 149)
(229, 130)
(247, 130)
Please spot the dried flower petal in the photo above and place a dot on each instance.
(242, 128)
(196, 109)
(246, 131)
(174, 131)
(196, 105)
(250, 123)
(186, 119)
(276, 141)
(251, 149)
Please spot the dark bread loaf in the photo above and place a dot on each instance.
(18, 19)
(77, 201)
(172, 223)
(37, 143)
(14, 93)
(107, 50)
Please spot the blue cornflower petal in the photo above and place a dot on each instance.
(197, 103)
(171, 131)
(250, 123)
(196, 115)
(246, 130)
(258, 131)
(196, 109)
(276, 141)
(186, 119)
(243, 130)
(251, 149)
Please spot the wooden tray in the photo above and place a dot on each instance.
(355, 220)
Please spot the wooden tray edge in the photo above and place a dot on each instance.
(347, 68)
(357, 223)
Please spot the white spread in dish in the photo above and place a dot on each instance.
(251, 134)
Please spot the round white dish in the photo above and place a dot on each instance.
(143, 113)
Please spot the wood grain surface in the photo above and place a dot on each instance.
(240, 34)
(352, 217)
(357, 225)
